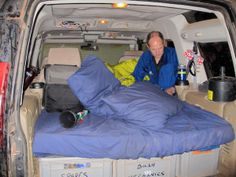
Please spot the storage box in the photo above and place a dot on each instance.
(145, 167)
(200, 99)
(198, 163)
(75, 167)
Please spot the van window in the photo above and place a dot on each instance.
(195, 16)
(216, 54)
(110, 53)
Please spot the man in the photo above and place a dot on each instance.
(160, 63)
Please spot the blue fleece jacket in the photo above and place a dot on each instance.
(164, 74)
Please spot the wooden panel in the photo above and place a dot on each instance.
(228, 152)
(200, 99)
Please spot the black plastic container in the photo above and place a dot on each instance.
(222, 88)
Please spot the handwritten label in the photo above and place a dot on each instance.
(148, 170)
(148, 165)
(151, 174)
(80, 174)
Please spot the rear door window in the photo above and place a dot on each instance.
(217, 54)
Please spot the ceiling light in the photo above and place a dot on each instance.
(103, 21)
(120, 5)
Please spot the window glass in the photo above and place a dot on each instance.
(109, 53)
(196, 16)
(215, 55)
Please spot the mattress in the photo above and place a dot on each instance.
(99, 137)
(127, 122)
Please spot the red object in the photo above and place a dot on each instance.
(4, 72)
(188, 54)
(200, 60)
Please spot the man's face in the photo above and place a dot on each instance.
(156, 46)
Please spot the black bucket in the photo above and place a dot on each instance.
(222, 88)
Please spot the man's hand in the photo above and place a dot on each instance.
(171, 91)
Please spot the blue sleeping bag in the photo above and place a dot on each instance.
(142, 104)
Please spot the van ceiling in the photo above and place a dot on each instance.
(89, 17)
(132, 12)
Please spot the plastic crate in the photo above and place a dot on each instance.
(198, 163)
(75, 167)
(145, 167)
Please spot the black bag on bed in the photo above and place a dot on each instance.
(59, 97)
(57, 94)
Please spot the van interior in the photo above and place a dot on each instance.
(66, 32)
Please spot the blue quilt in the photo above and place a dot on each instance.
(127, 122)
(142, 104)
